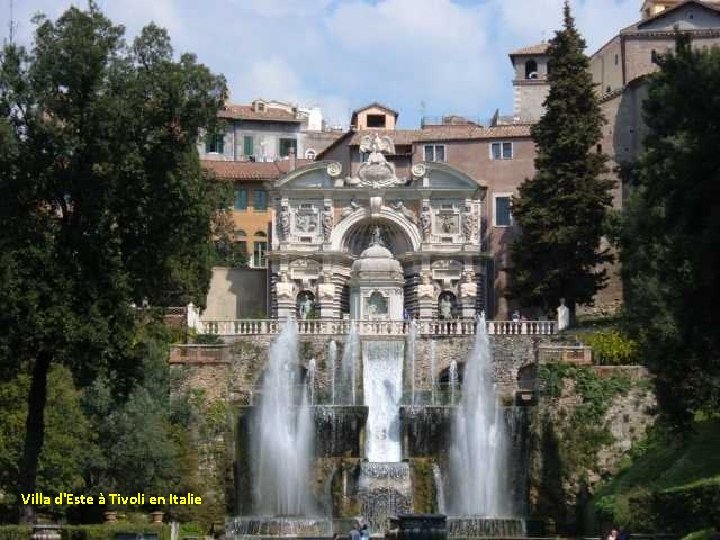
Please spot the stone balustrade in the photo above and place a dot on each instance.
(375, 328)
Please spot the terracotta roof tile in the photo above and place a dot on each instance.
(248, 170)
(246, 112)
(540, 48)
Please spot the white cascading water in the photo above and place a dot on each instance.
(382, 380)
(349, 384)
(478, 472)
(283, 449)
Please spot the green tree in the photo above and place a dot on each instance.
(671, 237)
(70, 445)
(102, 199)
(561, 210)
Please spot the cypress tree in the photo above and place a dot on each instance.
(561, 210)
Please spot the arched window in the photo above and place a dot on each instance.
(240, 234)
(310, 154)
(260, 234)
(531, 69)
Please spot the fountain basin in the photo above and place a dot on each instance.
(278, 526)
(485, 527)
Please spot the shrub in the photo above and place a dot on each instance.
(15, 532)
(611, 348)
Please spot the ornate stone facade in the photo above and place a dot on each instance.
(429, 223)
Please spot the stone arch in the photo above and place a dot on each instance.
(388, 216)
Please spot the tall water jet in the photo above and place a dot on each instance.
(478, 451)
(432, 372)
(348, 361)
(412, 339)
(332, 359)
(453, 379)
(283, 448)
(311, 371)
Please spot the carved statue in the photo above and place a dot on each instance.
(377, 145)
(468, 287)
(284, 222)
(305, 307)
(284, 287)
(326, 289)
(563, 315)
(376, 172)
(405, 211)
(352, 207)
(327, 223)
(445, 308)
(426, 222)
(468, 223)
(426, 289)
(448, 225)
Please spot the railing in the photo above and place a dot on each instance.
(375, 328)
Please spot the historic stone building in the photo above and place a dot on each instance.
(376, 243)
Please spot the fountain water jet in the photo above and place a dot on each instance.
(348, 361)
(283, 448)
(453, 377)
(478, 450)
(412, 339)
(332, 359)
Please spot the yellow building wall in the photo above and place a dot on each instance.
(255, 223)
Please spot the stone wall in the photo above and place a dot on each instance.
(569, 458)
(238, 380)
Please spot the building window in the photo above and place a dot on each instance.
(215, 143)
(617, 59)
(376, 120)
(364, 157)
(260, 203)
(503, 216)
(310, 154)
(241, 199)
(286, 145)
(598, 148)
(434, 152)
(531, 69)
(248, 145)
(501, 150)
(259, 259)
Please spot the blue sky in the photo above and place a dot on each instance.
(434, 57)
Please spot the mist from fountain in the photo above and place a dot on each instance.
(311, 371)
(478, 463)
(432, 372)
(412, 340)
(283, 448)
(453, 379)
(352, 344)
(332, 360)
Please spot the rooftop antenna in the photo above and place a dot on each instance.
(11, 37)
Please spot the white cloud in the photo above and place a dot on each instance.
(341, 54)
